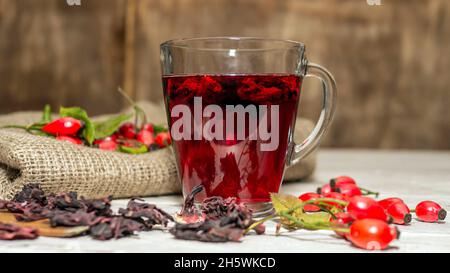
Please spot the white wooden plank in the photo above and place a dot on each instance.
(412, 175)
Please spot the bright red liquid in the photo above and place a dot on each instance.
(236, 168)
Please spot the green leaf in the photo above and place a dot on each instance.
(290, 210)
(80, 114)
(284, 203)
(108, 127)
(159, 129)
(47, 114)
(133, 150)
(315, 219)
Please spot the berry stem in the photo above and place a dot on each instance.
(257, 223)
(369, 192)
(312, 226)
(325, 209)
(325, 200)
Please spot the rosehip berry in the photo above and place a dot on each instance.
(348, 190)
(340, 180)
(107, 145)
(63, 127)
(325, 189)
(399, 212)
(163, 139)
(342, 220)
(128, 130)
(429, 211)
(145, 137)
(360, 207)
(70, 139)
(112, 138)
(310, 196)
(148, 127)
(385, 203)
(335, 195)
(372, 234)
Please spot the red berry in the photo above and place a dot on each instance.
(360, 207)
(372, 234)
(385, 203)
(429, 211)
(325, 189)
(335, 195)
(148, 127)
(128, 130)
(343, 219)
(400, 213)
(145, 137)
(163, 139)
(63, 127)
(70, 139)
(107, 145)
(309, 196)
(340, 180)
(349, 190)
(112, 138)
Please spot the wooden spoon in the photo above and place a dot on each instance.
(43, 226)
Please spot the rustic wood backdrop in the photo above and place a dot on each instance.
(391, 62)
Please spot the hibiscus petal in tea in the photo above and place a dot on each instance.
(231, 132)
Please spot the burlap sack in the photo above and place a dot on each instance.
(60, 166)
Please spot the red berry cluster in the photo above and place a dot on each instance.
(368, 220)
(129, 135)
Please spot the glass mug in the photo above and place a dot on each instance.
(232, 104)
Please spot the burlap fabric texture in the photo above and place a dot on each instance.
(59, 167)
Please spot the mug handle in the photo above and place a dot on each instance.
(303, 149)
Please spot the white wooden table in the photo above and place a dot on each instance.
(411, 175)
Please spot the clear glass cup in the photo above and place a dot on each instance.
(231, 106)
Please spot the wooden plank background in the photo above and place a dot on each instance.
(391, 62)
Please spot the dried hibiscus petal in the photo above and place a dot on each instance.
(207, 231)
(13, 232)
(115, 227)
(146, 213)
(228, 210)
(73, 219)
(31, 193)
(66, 201)
(29, 211)
(101, 207)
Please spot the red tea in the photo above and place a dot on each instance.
(240, 164)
